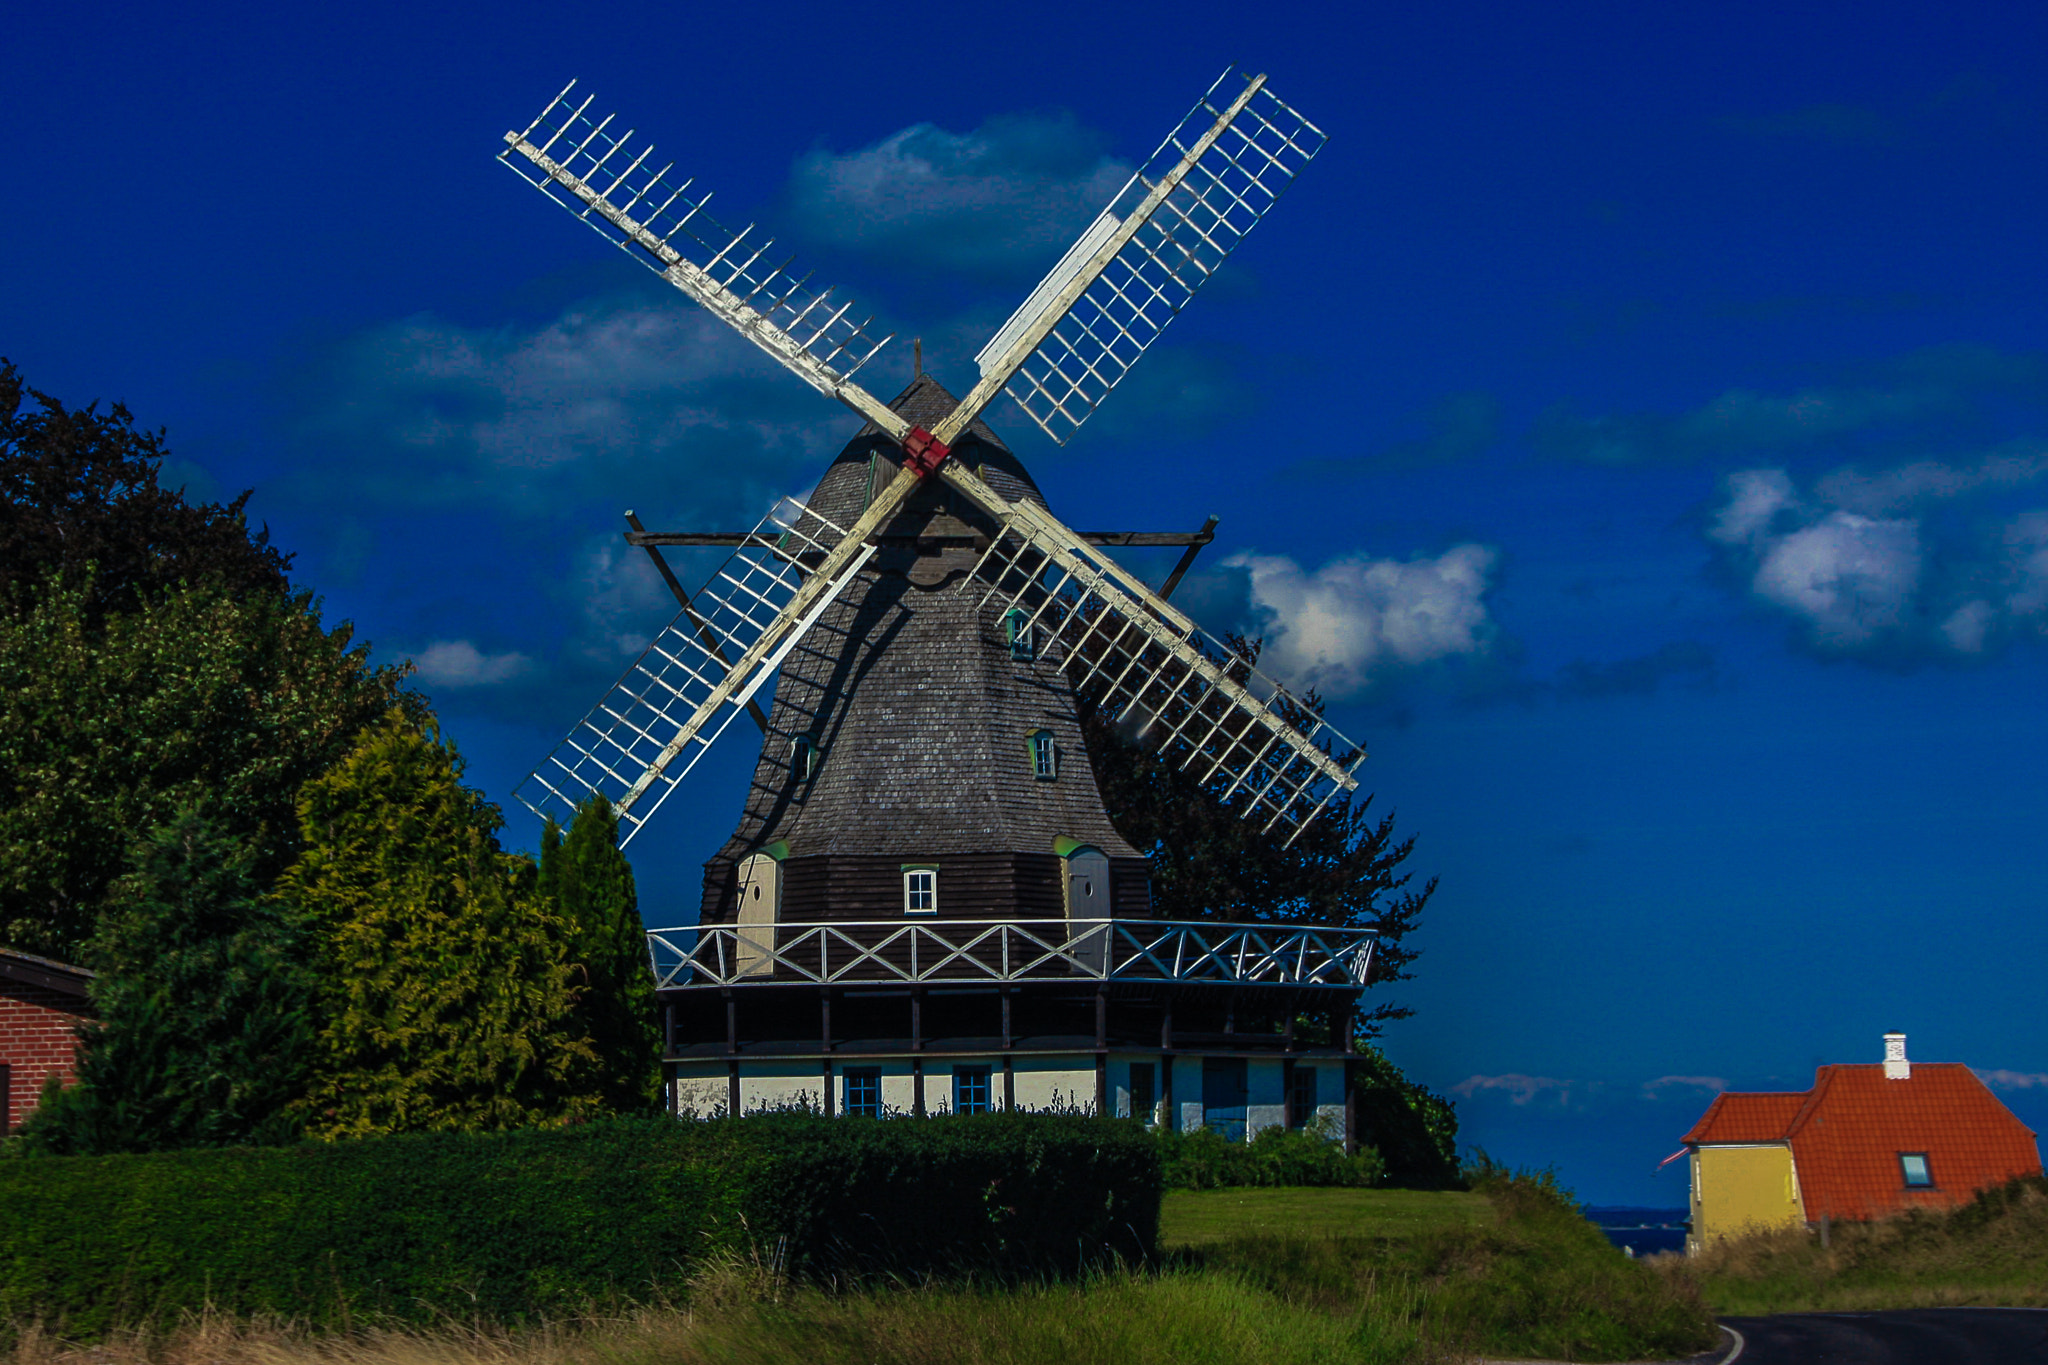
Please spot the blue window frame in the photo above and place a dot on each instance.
(864, 1091)
(1301, 1104)
(971, 1092)
(1018, 632)
(1913, 1166)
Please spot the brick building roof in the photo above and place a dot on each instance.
(1848, 1132)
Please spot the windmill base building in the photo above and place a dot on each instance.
(926, 908)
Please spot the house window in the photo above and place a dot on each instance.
(1913, 1165)
(1301, 1100)
(971, 1093)
(1019, 632)
(1045, 756)
(864, 1091)
(1141, 1091)
(920, 891)
(803, 757)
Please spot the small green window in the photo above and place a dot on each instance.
(803, 757)
(1045, 756)
(1913, 1165)
(1018, 631)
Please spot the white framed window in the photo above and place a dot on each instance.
(921, 890)
(1045, 756)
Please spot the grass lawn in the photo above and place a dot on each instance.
(1195, 1217)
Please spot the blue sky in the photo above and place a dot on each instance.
(1635, 422)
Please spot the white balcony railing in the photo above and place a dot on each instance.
(964, 951)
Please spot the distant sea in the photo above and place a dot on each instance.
(1641, 1231)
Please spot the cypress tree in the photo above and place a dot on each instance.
(588, 881)
(203, 1037)
(444, 981)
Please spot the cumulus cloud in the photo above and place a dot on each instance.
(1342, 627)
(1657, 1089)
(1864, 568)
(1518, 1088)
(458, 663)
(623, 400)
(2014, 1080)
(1005, 199)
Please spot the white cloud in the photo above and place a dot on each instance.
(1655, 1089)
(1898, 585)
(1851, 578)
(1345, 625)
(639, 404)
(458, 663)
(2014, 1080)
(1518, 1088)
(1009, 196)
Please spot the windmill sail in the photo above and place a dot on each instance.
(1207, 186)
(678, 697)
(1155, 671)
(589, 171)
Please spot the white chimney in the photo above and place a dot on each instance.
(1896, 1067)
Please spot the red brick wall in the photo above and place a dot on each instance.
(38, 1035)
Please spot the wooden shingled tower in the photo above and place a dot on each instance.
(924, 903)
(911, 727)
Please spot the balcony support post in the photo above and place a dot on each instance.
(732, 1022)
(1171, 1123)
(917, 1020)
(917, 1086)
(824, 1018)
(1006, 1018)
(732, 1088)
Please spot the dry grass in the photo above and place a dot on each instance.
(1990, 1254)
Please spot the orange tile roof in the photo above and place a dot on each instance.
(1755, 1116)
(1848, 1131)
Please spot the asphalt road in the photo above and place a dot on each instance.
(1921, 1336)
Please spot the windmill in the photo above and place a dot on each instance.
(930, 495)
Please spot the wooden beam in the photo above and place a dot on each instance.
(1201, 538)
(676, 588)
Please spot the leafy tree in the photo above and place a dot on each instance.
(1208, 862)
(1414, 1128)
(588, 882)
(444, 992)
(1344, 870)
(202, 1037)
(80, 499)
(110, 723)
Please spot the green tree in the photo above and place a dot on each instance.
(588, 882)
(444, 990)
(1209, 862)
(1345, 870)
(203, 1036)
(80, 498)
(110, 723)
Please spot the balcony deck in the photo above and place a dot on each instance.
(964, 952)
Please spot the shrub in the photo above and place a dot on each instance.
(1205, 1160)
(512, 1226)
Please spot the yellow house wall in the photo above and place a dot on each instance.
(1743, 1189)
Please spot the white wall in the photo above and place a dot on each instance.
(774, 1085)
(1265, 1104)
(1054, 1082)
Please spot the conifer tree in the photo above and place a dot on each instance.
(588, 881)
(444, 987)
(203, 1037)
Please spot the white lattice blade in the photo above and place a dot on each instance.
(580, 165)
(1048, 291)
(1156, 672)
(1222, 195)
(677, 698)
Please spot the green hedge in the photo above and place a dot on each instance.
(514, 1225)
(1206, 1160)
